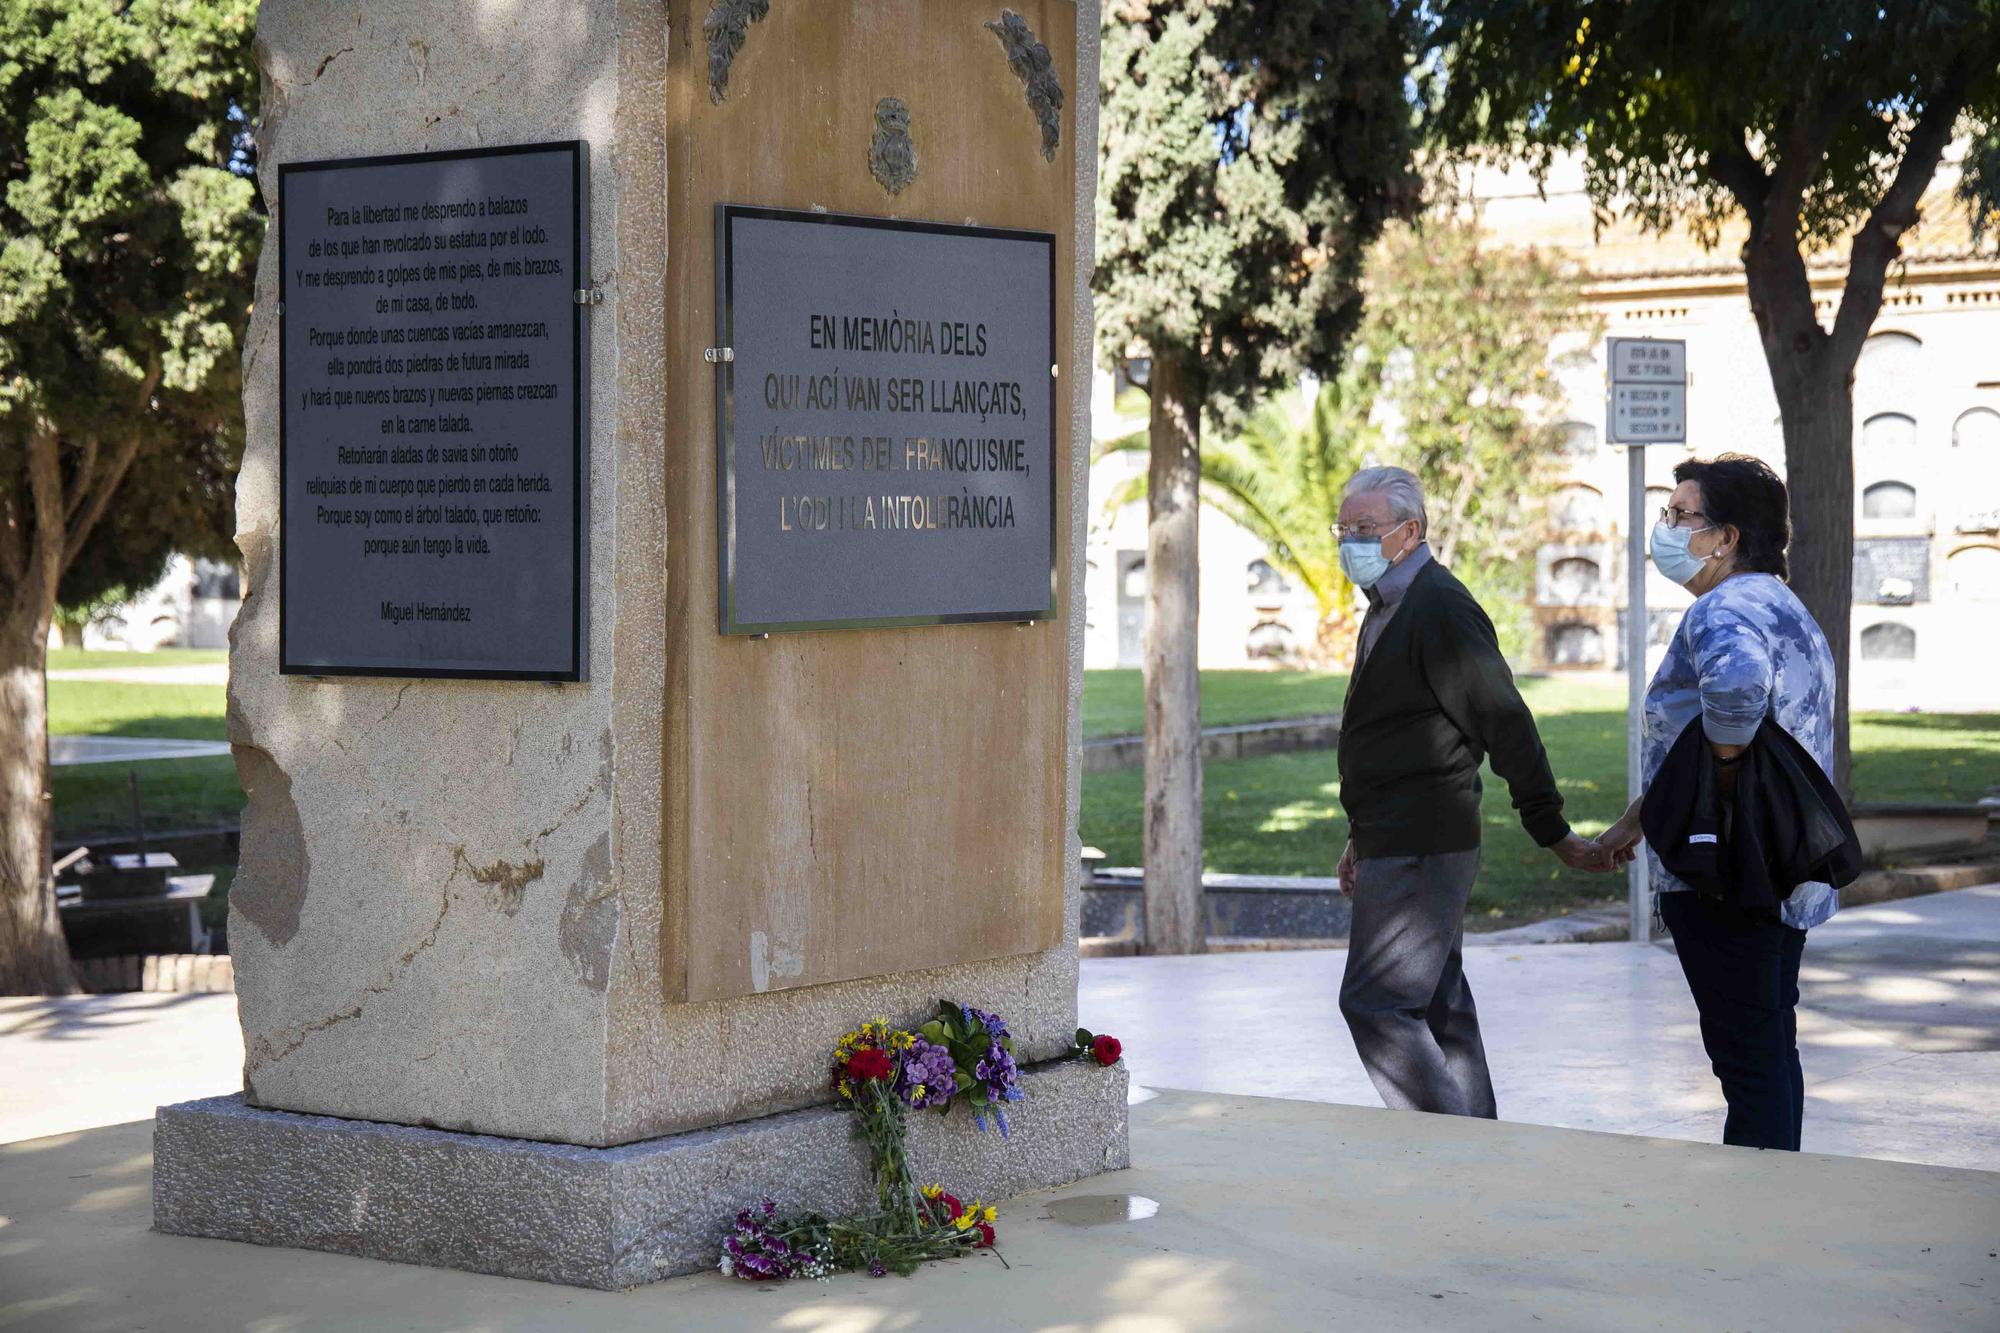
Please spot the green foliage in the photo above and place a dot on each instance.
(1448, 376)
(1682, 109)
(1455, 359)
(1250, 151)
(126, 246)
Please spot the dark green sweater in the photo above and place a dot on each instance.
(1430, 702)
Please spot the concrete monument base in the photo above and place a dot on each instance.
(608, 1218)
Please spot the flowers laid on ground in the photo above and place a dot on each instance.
(962, 1055)
(1101, 1047)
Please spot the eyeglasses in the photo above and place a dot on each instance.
(1342, 531)
(1672, 516)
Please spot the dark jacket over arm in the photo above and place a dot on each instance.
(1463, 665)
(1428, 706)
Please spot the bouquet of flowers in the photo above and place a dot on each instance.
(981, 1052)
(963, 1055)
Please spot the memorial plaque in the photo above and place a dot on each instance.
(1892, 571)
(432, 435)
(886, 421)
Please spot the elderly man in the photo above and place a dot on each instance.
(1430, 698)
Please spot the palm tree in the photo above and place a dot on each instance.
(1279, 478)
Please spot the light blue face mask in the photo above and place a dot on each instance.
(1361, 559)
(1671, 555)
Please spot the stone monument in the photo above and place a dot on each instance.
(663, 516)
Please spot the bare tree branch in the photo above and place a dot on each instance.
(103, 487)
(82, 481)
(1736, 168)
(1880, 237)
(1805, 140)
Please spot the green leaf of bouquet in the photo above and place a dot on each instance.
(1084, 1037)
(963, 1079)
(933, 1032)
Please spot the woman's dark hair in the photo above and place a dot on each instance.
(1744, 493)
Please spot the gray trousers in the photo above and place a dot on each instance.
(1405, 996)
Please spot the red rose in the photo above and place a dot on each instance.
(985, 1236)
(869, 1062)
(951, 1202)
(1106, 1050)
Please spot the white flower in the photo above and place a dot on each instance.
(727, 1265)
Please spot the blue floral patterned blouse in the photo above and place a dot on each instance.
(1746, 647)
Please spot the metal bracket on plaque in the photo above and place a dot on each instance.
(715, 356)
(591, 295)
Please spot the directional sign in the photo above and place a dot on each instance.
(1648, 414)
(1648, 361)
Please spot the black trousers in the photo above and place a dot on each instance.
(1744, 972)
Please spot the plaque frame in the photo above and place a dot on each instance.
(577, 668)
(725, 412)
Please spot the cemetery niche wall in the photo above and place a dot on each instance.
(554, 892)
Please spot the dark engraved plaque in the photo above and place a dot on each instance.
(432, 439)
(886, 422)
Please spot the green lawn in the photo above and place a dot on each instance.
(1114, 702)
(1280, 815)
(92, 800)
(114, 708)
(75, 659)
(1277, 815)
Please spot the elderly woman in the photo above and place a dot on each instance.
(1747, 648)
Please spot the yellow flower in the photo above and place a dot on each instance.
(933, 1191)
(917, 1095)
(902, 1041)
(989, 1213)
(845, 1089)
(963, 1221)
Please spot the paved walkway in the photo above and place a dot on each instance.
(199, 673)
(1899, 1029)
(126, 749)
(1238, 1214)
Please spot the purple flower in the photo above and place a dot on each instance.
(928, 1078)
(994, 1024)
(999, 1073)
(876, 1268)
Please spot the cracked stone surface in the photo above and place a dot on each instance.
(449, 911)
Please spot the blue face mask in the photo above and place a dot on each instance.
(1671, 555)
(1361, 559)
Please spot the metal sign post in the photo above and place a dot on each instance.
(1645, 403)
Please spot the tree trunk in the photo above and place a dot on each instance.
(1811, 376)
(1176, 918)
(1818, 416)
(34, 958)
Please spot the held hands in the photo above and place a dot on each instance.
(1622, 838)
(1586, 854)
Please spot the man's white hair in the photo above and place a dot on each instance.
(1405, 492)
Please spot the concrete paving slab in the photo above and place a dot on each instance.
(1270, 1214)
(1604, 1036)
(193, 673)
(80, 1061)
(66, 750)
